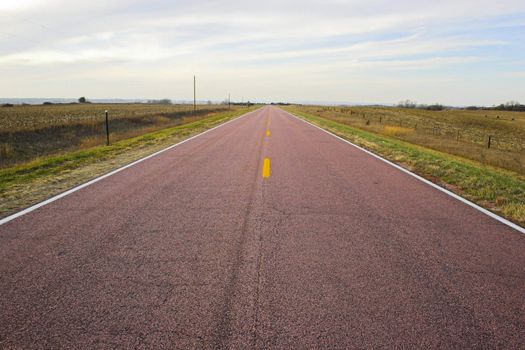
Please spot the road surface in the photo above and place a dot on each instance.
(264, 233)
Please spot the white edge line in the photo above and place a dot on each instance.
(97, 179)
(430, 183)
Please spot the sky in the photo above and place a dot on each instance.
(454, 52)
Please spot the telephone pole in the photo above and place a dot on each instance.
(229, 101)
(194, 95)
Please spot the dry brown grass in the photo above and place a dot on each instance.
(6, 150)
(91, 141)
(459, 132)
(160, 119)
(397, 131)
(29, 132)
(36, 117)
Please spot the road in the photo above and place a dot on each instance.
(195, 248)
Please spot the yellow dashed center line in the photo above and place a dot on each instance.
(266, 167)
(266, 164)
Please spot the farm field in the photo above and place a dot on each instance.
(463, 133)
(30, 132)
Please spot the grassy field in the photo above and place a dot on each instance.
(497, 189)
(460, 132)
(31, 132)
(34, 181)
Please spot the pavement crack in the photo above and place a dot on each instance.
(263, 226)
(224, 332)
(257, 289)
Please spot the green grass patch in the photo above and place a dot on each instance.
(498, 190)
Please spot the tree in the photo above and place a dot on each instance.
(407, 104)
(82, 100)
(511, 106)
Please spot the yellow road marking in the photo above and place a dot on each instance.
(266, 167)
(267, 132)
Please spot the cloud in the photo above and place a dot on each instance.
(228, 42)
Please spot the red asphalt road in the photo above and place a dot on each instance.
(194, 249)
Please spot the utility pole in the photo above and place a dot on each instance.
(229, 101)
(194, 95)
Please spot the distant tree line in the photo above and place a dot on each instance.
(513, 106)
(12, 105)
(164, 101)
(238, 103)
(407, 104)
(412, 104)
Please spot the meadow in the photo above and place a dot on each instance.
(29, 132)
(463, 133)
